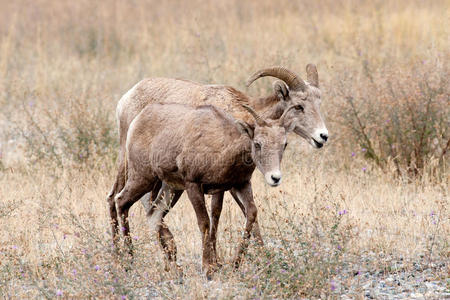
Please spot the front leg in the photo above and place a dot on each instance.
(256, 231)
(245, 195)
(197, 199)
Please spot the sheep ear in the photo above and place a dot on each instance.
(281, 90)
(244, 129)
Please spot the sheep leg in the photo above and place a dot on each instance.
(159, 208)
(113, 215)
(166, 239)
(117, 187)
(156, 206)
(197, 199)
(134, 189)
(165, 236)
(245, 195)
(161, 204)
(147, 199)
(216, 210)
(256, 231)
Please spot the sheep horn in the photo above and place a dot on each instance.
(258, 119)
(312, 75)
(292, 80)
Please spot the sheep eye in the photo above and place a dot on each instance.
(299, 107)
(257, 146)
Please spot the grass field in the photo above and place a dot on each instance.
(347, 207)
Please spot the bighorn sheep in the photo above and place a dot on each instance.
(201, 150)
(292, 90)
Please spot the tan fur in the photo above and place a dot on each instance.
(305, 121)
(201, 150)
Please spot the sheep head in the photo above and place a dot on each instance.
(268, 142)
(306, 118)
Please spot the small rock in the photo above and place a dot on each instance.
(422, 290)
(416, 296)
(383, 296)
(367, 285)
(430, 285)
(368, 295)
(440, 288)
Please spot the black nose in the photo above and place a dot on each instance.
(275, 179)
(324, 136)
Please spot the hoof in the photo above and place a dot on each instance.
(236, 263)
(127, 266)
(180, 276)
(209, 272)
(179, 281)
(209, 276)
(174, 269)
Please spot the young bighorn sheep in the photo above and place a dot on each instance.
(201, 150)
(292, 90)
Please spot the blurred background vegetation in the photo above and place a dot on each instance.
(383, 67)
(377, 191)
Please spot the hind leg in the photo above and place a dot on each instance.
(134, 189)
(165, 236)
(165, 199)
(148, 199)
(113, 215)
(159, 202)
(117, 187)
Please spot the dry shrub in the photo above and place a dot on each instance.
(304, 250)
(400, 117)
(73, 131)
(74, 256)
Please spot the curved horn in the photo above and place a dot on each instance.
(283, 116)
(292, 80)
(258, 119)
(311, 75)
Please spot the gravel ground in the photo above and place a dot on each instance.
(368, 277)
(393, 278)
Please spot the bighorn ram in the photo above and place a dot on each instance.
(201, 150)
(292, 90)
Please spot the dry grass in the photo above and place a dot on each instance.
(63, 67)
